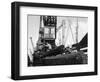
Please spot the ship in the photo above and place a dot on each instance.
(48, 52)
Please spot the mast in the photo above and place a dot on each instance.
(77, 27)
(63, 31)
(77, 32)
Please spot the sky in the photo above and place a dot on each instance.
(34, 25)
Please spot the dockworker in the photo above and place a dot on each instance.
(48, 46)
